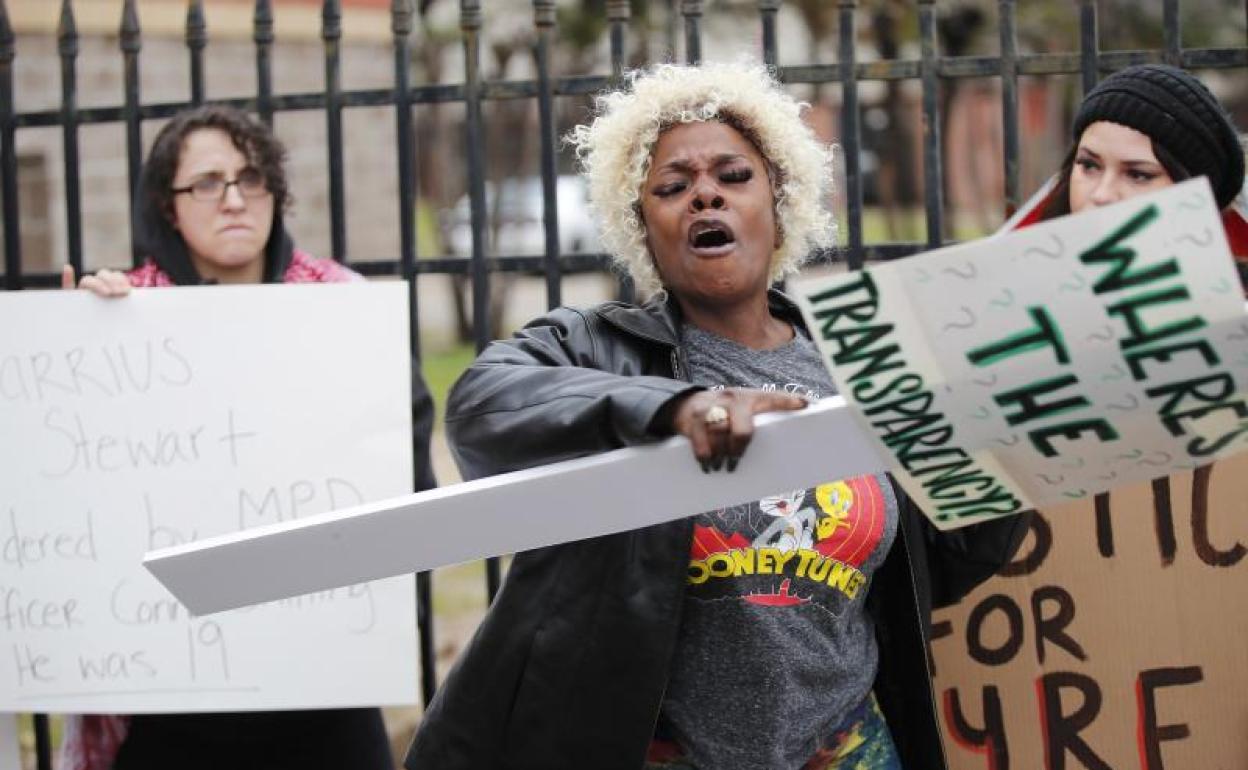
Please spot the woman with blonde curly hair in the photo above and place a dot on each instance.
(788, 632)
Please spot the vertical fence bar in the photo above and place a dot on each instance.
(424, 624)
(1009, 102)
(691, 10)
(1173, 53)
(196, 41)
(851, 130)
(401, 30)
(331, 34)
(131, 42)
(262, 35)
(767, 15)
(1089, 68)
(470, 26)
(544, 20)
(43, 742)
(67, 46)
(933, 176)
(618, 14)
(8, 157)
(1089, 45)
(670, 36)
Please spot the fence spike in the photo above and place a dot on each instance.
(691, 10)
(469, 15)
(67, 30)
(262, 36)
(6, 35)
(767, 16)
(1089, 45)
(331, 20)
(196, 27)
(401, 17)
(618, 13)
(262, 23)
(131, 35)
(544, 13)
(196, 41)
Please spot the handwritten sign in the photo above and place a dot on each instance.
(176, 414)
(1049, 364)
(1114, 638)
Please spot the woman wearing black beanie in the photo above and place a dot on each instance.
(1143, 128)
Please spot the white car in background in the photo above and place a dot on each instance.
(516, 228)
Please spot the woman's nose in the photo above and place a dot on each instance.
(232, 198)
(706, 196)
(1106, 190)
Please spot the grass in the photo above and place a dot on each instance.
(26, 736)
(908, 225)
(441, 367)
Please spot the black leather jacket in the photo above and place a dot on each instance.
(569, 667)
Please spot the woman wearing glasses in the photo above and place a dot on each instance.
(209, 210)
(210, 206)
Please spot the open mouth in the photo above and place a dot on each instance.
(710, 234)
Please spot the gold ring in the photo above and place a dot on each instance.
(716, 415)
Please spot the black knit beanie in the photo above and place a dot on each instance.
(1176, 111)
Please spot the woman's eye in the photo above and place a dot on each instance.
(1087, 164)
(668, 189)
(206, 185)
(1141, 177)
(737, 175)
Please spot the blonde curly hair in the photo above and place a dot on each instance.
(615, 151)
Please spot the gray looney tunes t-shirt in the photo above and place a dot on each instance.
(775, 647)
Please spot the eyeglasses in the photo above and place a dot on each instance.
(211, 188)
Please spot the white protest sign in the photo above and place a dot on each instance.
(1048, 364)
(511, 512)
(180, 413)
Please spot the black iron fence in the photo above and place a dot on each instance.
(932, 70)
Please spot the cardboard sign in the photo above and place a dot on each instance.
(176, 414)
(1114, 640)
(1049, 364)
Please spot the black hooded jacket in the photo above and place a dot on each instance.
(569, 667)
